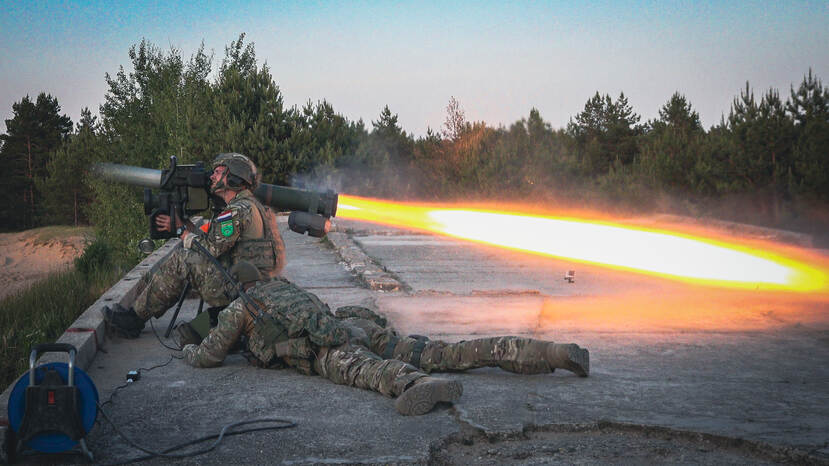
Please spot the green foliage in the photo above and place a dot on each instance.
(157, 110)
(118, 216)
(41, 313)
(162, 105)
(34, 132)
(671, 150)
(96, 256)
(248, 114)
(63, 191)
(809, 108)
(322, 144)
(605, 131)
(762, 137)
(383, 159)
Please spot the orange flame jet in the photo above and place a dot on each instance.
(659, 252)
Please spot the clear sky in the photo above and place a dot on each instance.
(498, 58)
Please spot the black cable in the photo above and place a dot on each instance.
(159, 339)
(147, 369)
(286, 424)
(115, 390)
(166, 453)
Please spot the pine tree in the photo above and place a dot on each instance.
(385, 158)
(34, 132)
(672, 147)
(809, 108)
(64, 189)
(762, 135)
(677, 113)
(810, 102)
(606, 132)
(249, 113)
(623, 130)
(322, 143)
(455, 124)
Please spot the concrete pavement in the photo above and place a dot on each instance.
(742, 380)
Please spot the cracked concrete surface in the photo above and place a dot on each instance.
(741, 382)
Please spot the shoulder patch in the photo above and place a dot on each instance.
(227, 228)
(226, 215)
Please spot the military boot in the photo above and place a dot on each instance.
(571, 357)
(425, 393)
(124, 321)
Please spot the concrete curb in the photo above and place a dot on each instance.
(88, 332)
(361, 265)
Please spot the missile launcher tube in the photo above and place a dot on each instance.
(282, 198)
(137, 176)
(285, 198)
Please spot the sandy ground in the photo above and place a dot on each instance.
(24, 260)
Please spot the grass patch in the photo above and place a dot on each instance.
(46, 235)
(42, 312)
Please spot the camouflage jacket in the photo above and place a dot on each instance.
(295, 322)
(244, 230)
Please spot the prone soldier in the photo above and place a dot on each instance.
(244, 231)
(285, 325)
(355, 347)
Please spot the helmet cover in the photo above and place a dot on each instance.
(238, 166)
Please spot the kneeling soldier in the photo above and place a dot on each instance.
(245, 231)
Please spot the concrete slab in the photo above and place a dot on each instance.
(677, 375)
(430, 263)
(734, 363)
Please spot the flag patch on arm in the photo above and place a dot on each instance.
(224, 216)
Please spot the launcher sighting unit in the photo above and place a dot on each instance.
(184, 190)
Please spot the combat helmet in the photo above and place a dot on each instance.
(240, 171)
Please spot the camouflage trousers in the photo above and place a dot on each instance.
(514, 354)
(356, 366)
(165, 284)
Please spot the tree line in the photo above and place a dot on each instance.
(770, 149)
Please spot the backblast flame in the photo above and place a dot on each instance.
(668, 254)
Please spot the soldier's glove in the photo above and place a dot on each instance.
(188, 353)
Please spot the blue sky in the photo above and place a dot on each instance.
(499, 59)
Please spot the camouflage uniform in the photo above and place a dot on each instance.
(245, 230)
(514, 354)
(299, 330)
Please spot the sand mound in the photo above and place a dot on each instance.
(29, 256)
